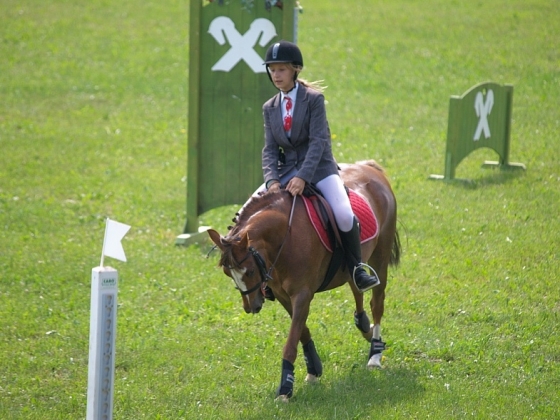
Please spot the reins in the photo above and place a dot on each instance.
(285, 236)
(265, 274)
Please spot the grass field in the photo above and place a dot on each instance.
(93, 122)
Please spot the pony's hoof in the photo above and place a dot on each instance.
(374, 361)
(282, 399)
(311, 379)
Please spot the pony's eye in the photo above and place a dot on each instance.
(250, 273)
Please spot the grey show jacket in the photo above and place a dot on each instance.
(309, 148)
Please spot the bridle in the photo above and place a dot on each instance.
(261, 265)
(260, 262)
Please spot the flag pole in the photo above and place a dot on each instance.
(104, 239)
(103, 326)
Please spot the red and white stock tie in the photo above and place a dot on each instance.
(288, 117)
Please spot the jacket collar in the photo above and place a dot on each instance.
(299, 112)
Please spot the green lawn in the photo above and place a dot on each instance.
(93, 123)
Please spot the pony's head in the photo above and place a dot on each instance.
(244, 265)
(264, 219)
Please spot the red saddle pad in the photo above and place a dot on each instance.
(362, 210)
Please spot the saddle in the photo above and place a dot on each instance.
(322, 219)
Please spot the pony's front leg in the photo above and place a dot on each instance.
(300, 310)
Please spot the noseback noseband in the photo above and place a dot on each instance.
(261, 265)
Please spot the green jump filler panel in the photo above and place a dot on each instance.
(227, 88)
(481, 117)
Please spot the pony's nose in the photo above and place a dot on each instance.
(257, 309)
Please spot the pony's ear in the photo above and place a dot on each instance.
(216, 238)
(244, 242)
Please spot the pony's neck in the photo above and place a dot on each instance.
(264, 217)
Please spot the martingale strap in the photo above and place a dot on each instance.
(265, 275)
(261, 265)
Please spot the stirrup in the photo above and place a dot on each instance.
(374, 275)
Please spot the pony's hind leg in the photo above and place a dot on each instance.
(377, 304)
(312, 362)
(361, 319)
(371, 332)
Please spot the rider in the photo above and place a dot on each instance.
(298, 150)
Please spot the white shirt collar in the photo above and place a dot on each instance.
(292, 94)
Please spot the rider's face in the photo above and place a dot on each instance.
(282, 75)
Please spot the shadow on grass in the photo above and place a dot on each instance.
(493, 177)
(356, 395)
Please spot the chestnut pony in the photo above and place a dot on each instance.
(273, 243)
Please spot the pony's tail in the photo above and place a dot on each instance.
(396, 251)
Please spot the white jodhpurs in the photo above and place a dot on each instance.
(334, 192)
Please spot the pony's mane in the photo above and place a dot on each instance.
(255, 204)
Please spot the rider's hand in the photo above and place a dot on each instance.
(274, 187)
(296, 186)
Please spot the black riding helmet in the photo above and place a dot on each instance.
(283, 52)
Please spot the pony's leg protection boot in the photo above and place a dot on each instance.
(353, 254)
(287, 380)
(377, 346)
(312, 360)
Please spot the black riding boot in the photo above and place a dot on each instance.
(353, 254)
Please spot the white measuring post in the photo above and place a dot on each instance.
(103, 326)
(102, 334)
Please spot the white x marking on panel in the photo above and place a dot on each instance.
(483, 109)
(223, 27)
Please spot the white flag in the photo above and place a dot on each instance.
(114, 232)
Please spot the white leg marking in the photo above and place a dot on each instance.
(375, 360)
